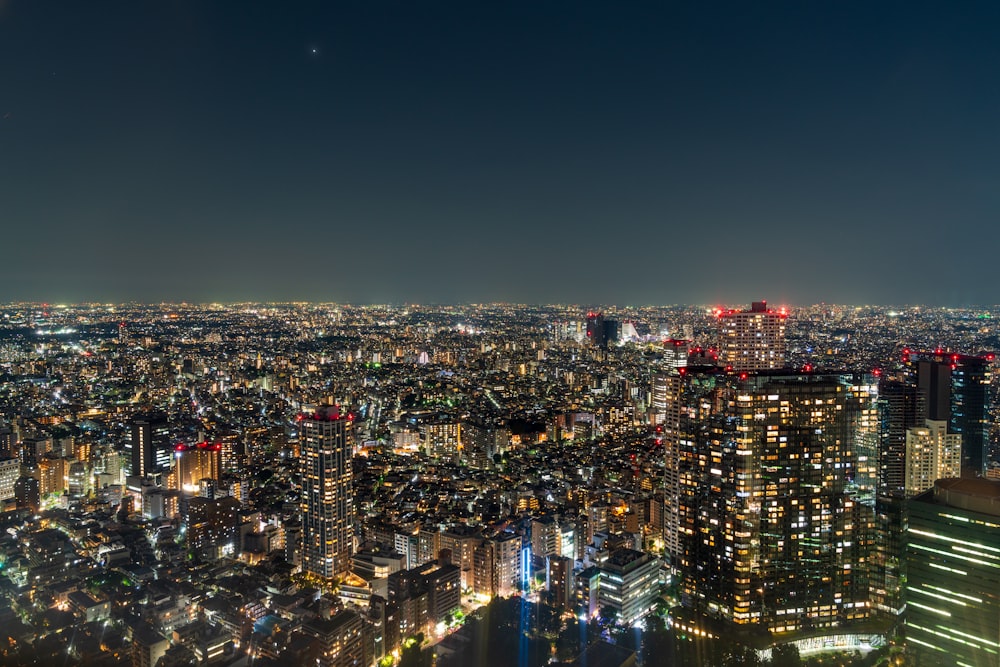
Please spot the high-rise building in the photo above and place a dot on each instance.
(667, 405)
(10, 470)
(340, 639)
(195, 463)
(675, 352)
(752, 340)
(327, 503)
(441, 437)
(773, 533)
(559, 582)
(953, 574)
(149, 447)
(956, 387)
(601, 331)
(26, 492)
(629, 584)
(902, 406)
(931, 453)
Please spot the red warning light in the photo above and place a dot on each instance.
(743, 376)
(989, 357)
(807, 368)
(877, 372)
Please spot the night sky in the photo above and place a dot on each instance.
(527, 151)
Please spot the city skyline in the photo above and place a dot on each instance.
(530, 154)
(289, 484)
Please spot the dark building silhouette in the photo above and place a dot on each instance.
(27, 493)
(150, 444)
(601, 332)
(956, 390)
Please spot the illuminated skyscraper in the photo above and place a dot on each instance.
(752, 340)
(666, 404)
(773, 533)
(327, 503)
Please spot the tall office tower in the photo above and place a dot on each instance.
(970, 386)
(675, 352)
(752, 340)
(902, 406)
(931, 453)
(956, 387)
(595, 328)
(953, 574)
(667, 393)
(149, 447)
(327, 503)
(773, 532)
(601, 331)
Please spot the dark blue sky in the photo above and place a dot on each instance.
(481, 151)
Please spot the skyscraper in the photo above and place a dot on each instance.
(773, 533)
(601, 331)
(902, 406)
(327, 503)
(956, 387)
(752, 340)
(150, 445)
(953, 574)
(931, 453)
(667, 393)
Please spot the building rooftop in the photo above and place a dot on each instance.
(974, 494)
